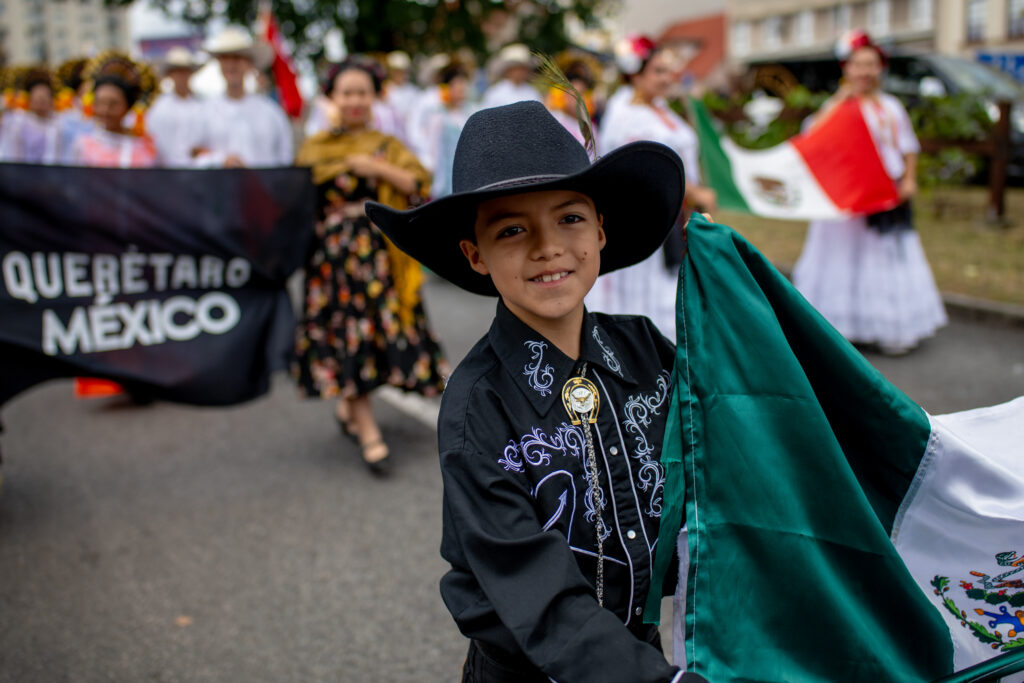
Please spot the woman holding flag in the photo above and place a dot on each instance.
(868, 274)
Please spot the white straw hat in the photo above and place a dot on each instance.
(234, 40)
(179, 57)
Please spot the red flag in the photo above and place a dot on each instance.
(284, 75)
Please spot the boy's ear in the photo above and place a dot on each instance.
(472, 253)
(602, 238)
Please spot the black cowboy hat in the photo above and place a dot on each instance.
(520, 147)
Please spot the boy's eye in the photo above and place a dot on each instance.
(572, 218)
(510, 230)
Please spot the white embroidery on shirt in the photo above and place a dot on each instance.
(536, 449)
(638, 410)
(540, 379)
(609, 357)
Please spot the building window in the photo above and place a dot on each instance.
(878, 17)
(842, 21)
(1016, 18)
(771, 33)
(976, 15)
(740, 38)
(804, 33)
(922, 13)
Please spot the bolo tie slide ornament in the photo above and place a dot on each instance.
(581, 401)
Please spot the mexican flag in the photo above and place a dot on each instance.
(831, 171)
(834, 531)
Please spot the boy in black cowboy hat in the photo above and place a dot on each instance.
(550, 429)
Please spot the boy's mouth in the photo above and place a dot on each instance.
(551, 277)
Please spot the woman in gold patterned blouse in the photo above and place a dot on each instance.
(363, 323)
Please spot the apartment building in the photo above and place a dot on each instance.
(51, 31)
(787, 29)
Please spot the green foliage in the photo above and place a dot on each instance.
(417, 26)
(1017, 599)
(956, 117)
(976, 594)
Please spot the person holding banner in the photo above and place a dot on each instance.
(868, 275)
(176, 118)
(242, 129)
(648, 288)
(363, 323)
(119, 86)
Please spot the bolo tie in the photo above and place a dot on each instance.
(581, 401)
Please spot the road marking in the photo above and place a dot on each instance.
(423, 410)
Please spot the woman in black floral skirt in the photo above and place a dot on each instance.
(363, 324)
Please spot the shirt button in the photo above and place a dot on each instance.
(613, 450)
(631, 534)
(638, 611)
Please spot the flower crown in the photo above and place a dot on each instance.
(114, 64)
(632, 52)
(853, 40)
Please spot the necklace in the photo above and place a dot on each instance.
(582, 401)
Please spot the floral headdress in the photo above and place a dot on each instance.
(69, 76)
(632, 52)
(20, 80)
(853, 40)
(136, 79)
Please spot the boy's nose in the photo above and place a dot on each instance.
(547, 244)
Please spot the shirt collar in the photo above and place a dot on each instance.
(538, 367)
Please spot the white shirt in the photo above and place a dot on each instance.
(892, 131)
(252, 128)
(176, 125)
(506, 92)
(401, 98)
(629, 121)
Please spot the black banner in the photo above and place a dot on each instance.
(168, 281)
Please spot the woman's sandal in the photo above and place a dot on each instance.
(381, 466)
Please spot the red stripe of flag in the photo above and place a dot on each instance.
(841, 154)
(284, 75)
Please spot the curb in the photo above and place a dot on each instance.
(984, 310)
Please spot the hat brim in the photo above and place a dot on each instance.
(259, 53)
(638, 189)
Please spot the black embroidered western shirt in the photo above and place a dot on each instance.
(519, 526)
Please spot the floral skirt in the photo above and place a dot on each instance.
(350, 339)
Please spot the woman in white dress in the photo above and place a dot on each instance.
(649, 287)
(868, 274)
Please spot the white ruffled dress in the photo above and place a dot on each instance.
(873, 288)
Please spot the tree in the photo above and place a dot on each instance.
(416, 26)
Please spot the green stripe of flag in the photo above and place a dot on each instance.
(790, 454)
(715, 165)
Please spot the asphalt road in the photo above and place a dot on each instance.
(170, 543)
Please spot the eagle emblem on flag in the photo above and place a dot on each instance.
(998, 601)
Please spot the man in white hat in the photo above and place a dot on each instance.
(399, 91)
(242, 128)
(513, 67)
(176, 118)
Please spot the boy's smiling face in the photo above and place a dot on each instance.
(542, 250)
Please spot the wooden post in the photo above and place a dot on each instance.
(997, 170)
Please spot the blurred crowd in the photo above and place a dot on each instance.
(112, 110)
